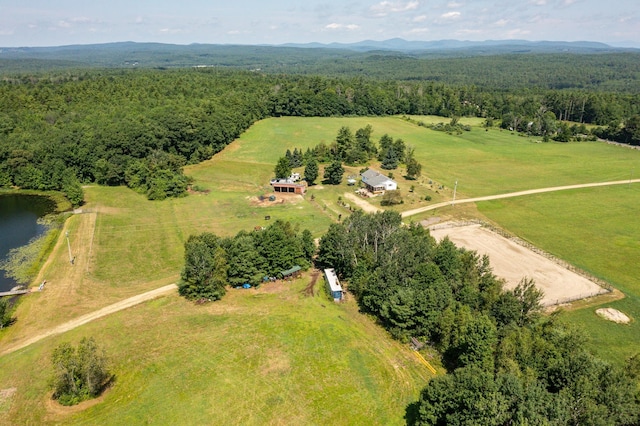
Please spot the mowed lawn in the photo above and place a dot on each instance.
(597, 230)
(267, 356)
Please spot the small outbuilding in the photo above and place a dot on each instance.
(291, 273)
(333, 285)
(288, 186)
(377, 182)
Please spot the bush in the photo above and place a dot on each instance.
(5, 314)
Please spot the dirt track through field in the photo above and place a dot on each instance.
(70, 325)
(516, 194)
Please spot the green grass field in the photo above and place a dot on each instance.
(595, 229)
(269, 356)
(280, 358)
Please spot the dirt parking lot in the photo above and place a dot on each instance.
(513, 262)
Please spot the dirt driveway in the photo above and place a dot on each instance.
(77, 322)
(361, 203)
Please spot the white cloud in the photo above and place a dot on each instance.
(454, 5)
(419, 31)
(64, 24)
(384, 8)
(336, 26)
(450, 16)
(170, 31)
(420, 18)
(501, 23)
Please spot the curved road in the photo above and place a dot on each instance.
(516, 194)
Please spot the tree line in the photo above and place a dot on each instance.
(140, 127)
(213, 263)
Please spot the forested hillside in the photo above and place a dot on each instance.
(139, 127)
(500, 66)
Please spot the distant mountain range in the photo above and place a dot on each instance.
(401, 45)
(279, 58)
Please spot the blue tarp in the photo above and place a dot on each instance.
(246, 285)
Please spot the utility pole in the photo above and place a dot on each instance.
(455, 188)
(69, 247)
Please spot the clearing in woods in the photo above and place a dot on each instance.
(514, 262)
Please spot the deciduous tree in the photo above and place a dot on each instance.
(80, 373)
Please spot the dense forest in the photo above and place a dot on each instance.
(508, 364)
(505, 65)
(140, 127)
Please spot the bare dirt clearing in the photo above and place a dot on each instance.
(614, 315)
(364, 205)
(513, 262)
(281, 198)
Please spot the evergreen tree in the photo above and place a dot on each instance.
(333, 173)
(311, 171)
(283, 168)
(345, 142)
(297, 158)
(390, 160)
(413, 167)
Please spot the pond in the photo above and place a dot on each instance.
(19, 224)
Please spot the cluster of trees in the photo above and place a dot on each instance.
(351, 149)
(628, 133)
(212, 263)
(80, 373)
(507, 364)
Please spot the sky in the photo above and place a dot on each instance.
(64, 22)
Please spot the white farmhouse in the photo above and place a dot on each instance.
(377, 182)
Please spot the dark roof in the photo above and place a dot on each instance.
(291, 271)
(373, 178)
